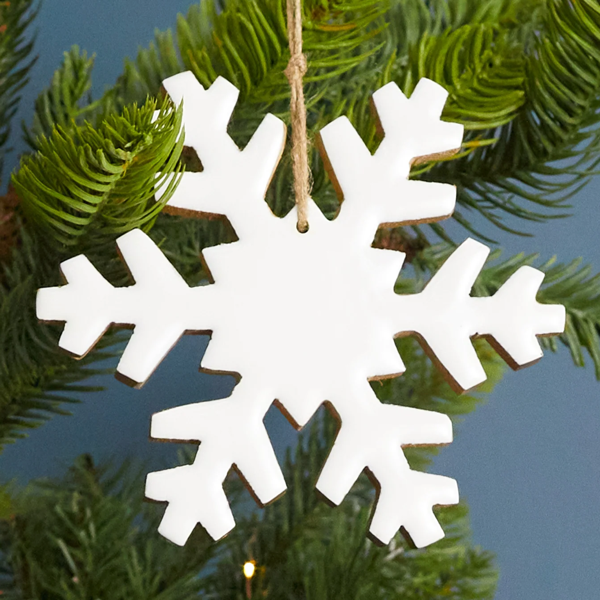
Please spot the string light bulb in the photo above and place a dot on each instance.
(249, 569)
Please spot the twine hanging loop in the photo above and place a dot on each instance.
(294, 72)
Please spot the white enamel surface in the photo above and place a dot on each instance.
(304, 318)
(160, 305)
(375, 187)
(232, 433)
(233, 181)
(445, 315)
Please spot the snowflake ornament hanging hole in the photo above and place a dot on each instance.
(306, 318)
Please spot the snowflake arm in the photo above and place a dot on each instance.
(375, 188)
(446, 316)
(232, 433)
(160, 306)
(371, 437)
(233, 182)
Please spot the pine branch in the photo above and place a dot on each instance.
(88, 536)
(15, 20)
(66, 102)
(490, 55)
(15, 48)
(83, 188)
(35, 381)
(246, 42)
(85, 185)
(550, 149)
(481, 67)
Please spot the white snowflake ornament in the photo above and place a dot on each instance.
(304, 318)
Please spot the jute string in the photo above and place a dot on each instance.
(294, 72)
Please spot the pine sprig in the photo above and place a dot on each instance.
(246, 42)
(88, 183)
(79, 191)
(35, 381)
(15, 48)
(66, 102)
(550, 149)
(89, 536)
(490, 55)
(481, 67)
(487, 54)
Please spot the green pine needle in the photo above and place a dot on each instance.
(89, 183)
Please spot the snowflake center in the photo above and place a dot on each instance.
(289, 290)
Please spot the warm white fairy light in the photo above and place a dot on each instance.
(249, 569)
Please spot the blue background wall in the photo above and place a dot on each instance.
(528, 461)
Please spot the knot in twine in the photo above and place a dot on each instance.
(296, 67)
